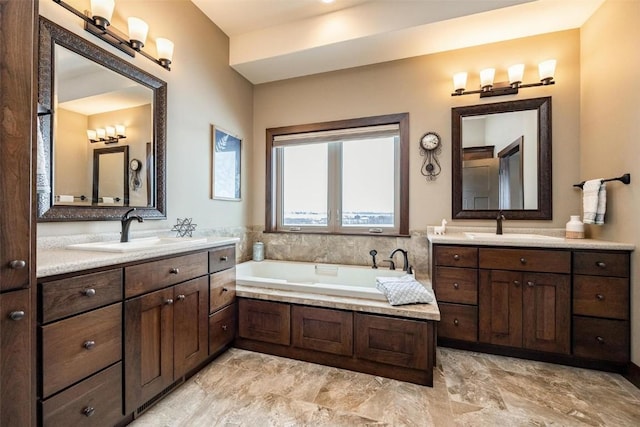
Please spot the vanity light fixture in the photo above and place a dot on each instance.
(546, 71)
(98, 22)
(108, 134)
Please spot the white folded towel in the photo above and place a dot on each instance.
(404, 290)
(107, 200)
(65, 198)
(594, 201)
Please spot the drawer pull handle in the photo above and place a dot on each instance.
(516, 282)
(456, 257)
(523, 260)
(174, 270)
(17, 315)
(456, 322)
(88, 411)
(168, 301)
(600, 297)
(601, 264)
(89, 292)
(181, 297)
(600, 340)
(224, 258)
(224, 327)
(530, 284)
(89, 344)
(18, 264)
(456, 286)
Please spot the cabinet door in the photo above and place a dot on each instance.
(16, 100)
(15, 358)
(546, 312)
(148, 354)
(190, 317)
(264, 321)
(322, 329)
(500, 307)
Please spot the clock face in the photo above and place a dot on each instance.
(430, 141)
(135, 164)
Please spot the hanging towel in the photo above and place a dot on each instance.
(108, 200)
(65, 198)
(594, 201)
(43, 184)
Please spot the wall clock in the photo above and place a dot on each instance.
(430, 147)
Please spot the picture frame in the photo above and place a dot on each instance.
(226, 165)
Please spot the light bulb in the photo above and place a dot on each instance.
(102, 11)
(460, 81)
(516, 73)
(547, 70)
(138, 30)
(165, 49)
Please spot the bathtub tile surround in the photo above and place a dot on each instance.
(470, 389)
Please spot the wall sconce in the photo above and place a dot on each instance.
(108, 135)
(97, 22)
(546, 71)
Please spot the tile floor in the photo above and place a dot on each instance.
(243, 388)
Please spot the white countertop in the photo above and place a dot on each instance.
(52, 261)
(459, 238)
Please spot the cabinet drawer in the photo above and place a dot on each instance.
(264, 321)
(66, 297)
(601, 296)
(321, 329)
(392, 341)
(456, 285)
(458, 322)
(222, 328)
(601, 339)
(222, 258)
(222, 289)
(96, 401)
(75, 348)
(546, 261)
(601, 263)
(143, 278)
(456, 256)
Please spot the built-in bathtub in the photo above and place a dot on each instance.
(326, 279)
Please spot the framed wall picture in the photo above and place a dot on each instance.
(226, 152)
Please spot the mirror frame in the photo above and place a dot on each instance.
(52, 34)
(543, 107)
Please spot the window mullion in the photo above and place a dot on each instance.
(333, 195)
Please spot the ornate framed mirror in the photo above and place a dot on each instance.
(501, 160)
(88, 89)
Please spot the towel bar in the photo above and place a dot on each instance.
(625, 179)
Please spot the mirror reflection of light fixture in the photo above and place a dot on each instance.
(108, 134)
(97, 22)
(546, 71)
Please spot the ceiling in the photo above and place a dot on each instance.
(272, 40)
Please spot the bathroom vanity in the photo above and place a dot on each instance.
(115, 338)
(557, 300)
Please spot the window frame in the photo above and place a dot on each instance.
(272, 182)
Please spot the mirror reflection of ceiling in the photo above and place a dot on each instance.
(88, 88)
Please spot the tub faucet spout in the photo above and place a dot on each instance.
(405, 266)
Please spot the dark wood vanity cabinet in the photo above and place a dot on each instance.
(569, 304)
(222, 298)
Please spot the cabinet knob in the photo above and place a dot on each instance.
(456, 285)
(530, 284)
(174, 270)
(516, 282)
(225, 327)
(181, 297)
(456, 322)
(17, 315)
(456, 257)
(89, 344)
(90, 292)
(523, 260)
(168, 301)
(601, 264)
(599, 297)
(224, 258)
(18, 264)
(600, 340)
(88, 411)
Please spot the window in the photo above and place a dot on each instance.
(345, 177)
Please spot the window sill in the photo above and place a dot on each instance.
(324, 233)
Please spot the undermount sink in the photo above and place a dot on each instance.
(509, 236)
(139, 244)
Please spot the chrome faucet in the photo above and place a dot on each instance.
(126, 223)
(499, 220)
(405, 267)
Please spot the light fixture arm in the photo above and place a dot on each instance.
(112, 36)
